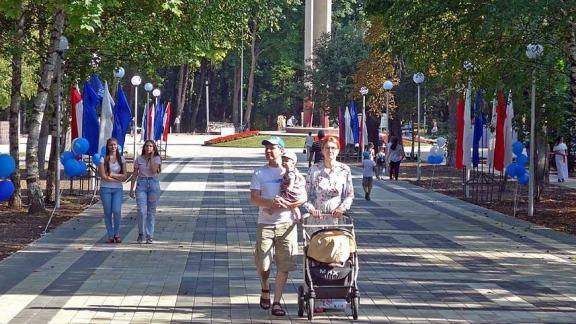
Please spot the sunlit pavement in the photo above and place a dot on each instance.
(424, 257)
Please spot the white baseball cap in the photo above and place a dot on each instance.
(291, 156)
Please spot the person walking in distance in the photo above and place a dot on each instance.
(395, 155)
(381, 163)
(308, 146)
(146, 169)
(316, 150)
(276, 232)
(368, 166)
(112, 170)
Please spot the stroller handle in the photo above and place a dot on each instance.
(349, 222)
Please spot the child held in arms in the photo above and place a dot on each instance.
(293, 185)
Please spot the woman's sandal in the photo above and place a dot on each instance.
(265, 302)
(278, 311)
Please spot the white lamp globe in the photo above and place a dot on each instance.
(119, 72)
(156, 93)
(418, 77)
(388, 85)
(364, 91)
(136, 80)
(148, 86)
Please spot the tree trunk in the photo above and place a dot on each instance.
(253, 63)
(452, 129)
(541, 165)
(236, 97)
(203, 67)
(51, 170)
(36, 201)
(572, 61)
(15, 97)
(181, 96)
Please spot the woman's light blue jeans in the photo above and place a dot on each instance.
(112, 203)
(147, 195)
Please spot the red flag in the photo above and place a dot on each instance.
(460, 134)
(150, 124)
(499, 146)
(77, 112)
(166, 122)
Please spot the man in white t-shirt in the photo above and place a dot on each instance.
(276, 234)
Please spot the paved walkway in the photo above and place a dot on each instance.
(423, 256)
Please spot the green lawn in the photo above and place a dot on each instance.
(256, 141)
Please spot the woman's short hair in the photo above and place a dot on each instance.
(331, 139)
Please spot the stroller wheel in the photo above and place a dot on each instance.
(310, 308)
(301, 301)
(355, 307)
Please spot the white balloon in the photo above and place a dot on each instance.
(441, 141)
(434, 151)
(119, 72)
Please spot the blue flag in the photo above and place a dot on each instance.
(478, 130)
(158, 120)
(90, 125)
(122, 117)
(97, 87)
(354, 122)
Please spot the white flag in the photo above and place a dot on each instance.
(492, 129)
(509, 133)
(106, 118)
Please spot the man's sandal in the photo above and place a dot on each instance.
(277, 311)
(265, 302)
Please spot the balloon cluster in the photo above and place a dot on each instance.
(73, 167)
(7, 166)
(516, 169)
(436, 155)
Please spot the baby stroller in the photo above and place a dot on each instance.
(330, 265)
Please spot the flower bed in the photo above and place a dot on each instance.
(232, 137)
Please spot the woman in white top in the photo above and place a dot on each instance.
(112, 170)
(561, 159)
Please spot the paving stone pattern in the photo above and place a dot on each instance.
(424, 258)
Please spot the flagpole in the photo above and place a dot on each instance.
(136, 81)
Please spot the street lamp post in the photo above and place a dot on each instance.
(533, 51)
(207, 108)
(363, 92)
(388, 85)
(62, 47)
(418, 79)
(136, 81)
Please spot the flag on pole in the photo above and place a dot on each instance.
(77, 112)
(158, 119)
(348, 125)
(106, 118)
(144, 124)
(90, 125)
(460, 134)
(492, 132)
(478, 130)
(122, 117)
(355, 126)
(509, 135)
(166, 123)
(97, 86)
(499, 146)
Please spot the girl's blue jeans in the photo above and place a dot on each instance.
(147, 195)
(112, 203)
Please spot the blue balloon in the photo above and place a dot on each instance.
(511, 169)
(7, 165)
(439, 159)
(522, 159)
(82, 168)
(524, 179)
(80, 146)
(430, 159)
(520, 171)
(517, 148)
(96, 159)
(65, 156)
(435, 159)
(6, 190)
(103, 151)
(71, 168)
